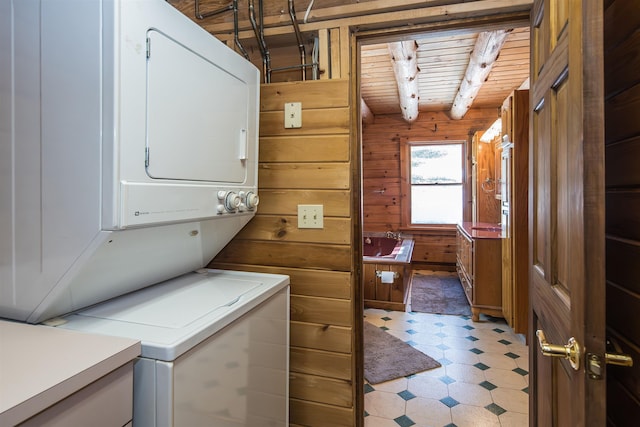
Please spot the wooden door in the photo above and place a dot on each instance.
(566, 222)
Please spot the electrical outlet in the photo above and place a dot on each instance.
(310, 216)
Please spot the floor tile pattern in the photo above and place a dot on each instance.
(483, 380)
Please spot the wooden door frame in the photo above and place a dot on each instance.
(356, 39)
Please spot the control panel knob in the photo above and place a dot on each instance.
(232, 201)
(251, 200)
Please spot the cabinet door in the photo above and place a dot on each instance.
(507, 282)
(397, 288)
(487, 274)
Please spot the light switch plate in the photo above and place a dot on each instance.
(310, 216)
(293, 115)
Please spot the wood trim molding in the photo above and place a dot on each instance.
(375, 17)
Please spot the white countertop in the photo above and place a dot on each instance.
(41, 365)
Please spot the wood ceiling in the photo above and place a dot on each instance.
(442, 60)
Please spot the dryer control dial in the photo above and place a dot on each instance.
(251, 200)
(232, 201)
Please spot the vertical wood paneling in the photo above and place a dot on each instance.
(323, 57)
(622, 181)
(309, 165)
(334, 37)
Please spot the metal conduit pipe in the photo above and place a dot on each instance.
(267, 53)
(212, 13)
(259, 33)
(236, 38)
(232, 6)
(315, 56)
(303, 54)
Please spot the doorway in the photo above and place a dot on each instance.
(384, 131)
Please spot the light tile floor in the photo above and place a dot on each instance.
(483, 380)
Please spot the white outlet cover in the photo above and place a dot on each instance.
(293, 115)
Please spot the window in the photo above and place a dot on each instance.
(434, 184)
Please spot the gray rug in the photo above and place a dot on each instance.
(387, 358)
(438, 294)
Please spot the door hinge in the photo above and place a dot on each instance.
(146, 157)
(148, 48)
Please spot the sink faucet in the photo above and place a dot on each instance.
(392, 235)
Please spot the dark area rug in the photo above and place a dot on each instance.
(387, 358)
(438, 294)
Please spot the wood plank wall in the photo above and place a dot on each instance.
(622, 180)
(309, 165)
(381, 142)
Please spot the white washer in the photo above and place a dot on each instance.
(215, 348)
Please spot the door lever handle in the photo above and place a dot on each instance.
(595, 365)
(570, 351)
(617, 357)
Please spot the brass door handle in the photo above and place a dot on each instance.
(617, 357)
(594, 361)
(570, 351)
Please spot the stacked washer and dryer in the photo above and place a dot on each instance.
(129, 160)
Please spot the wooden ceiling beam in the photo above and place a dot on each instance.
(405, 66)
(484, 55)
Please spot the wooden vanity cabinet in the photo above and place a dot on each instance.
(479, 266)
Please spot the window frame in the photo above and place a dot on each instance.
(405, 181)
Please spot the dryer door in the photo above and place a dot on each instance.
(194, 132)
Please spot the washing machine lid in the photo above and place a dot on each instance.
(171, 317)
(174, 304)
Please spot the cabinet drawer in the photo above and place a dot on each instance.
(105, 403)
